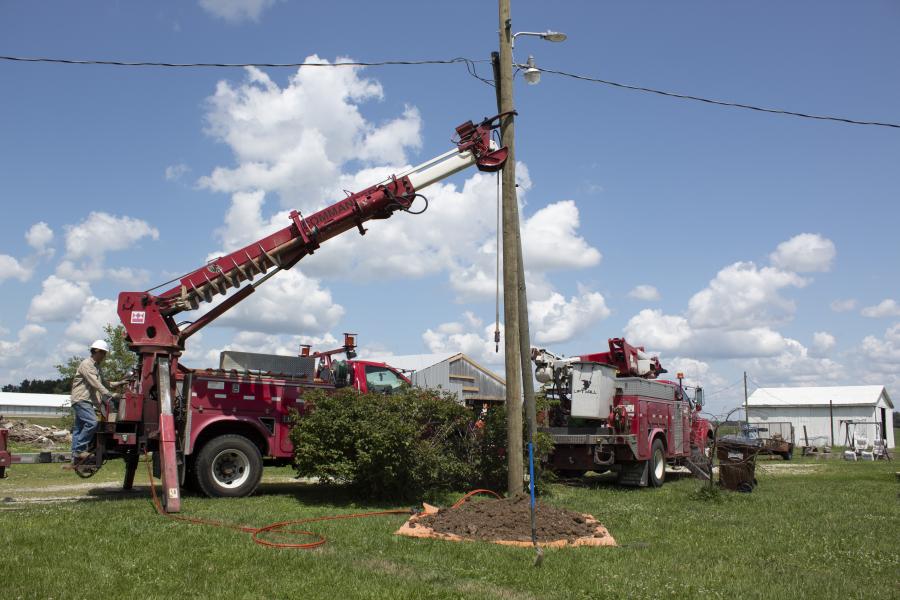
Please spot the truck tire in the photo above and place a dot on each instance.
(228, 466)
(787, 455)
(657, 463)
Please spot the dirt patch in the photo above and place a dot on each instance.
(508, 521)
(775, 468)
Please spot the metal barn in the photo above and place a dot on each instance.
(827, 412)
(35, 405)
(472, 383)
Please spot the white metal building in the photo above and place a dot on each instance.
(826, 411)
(35, 405)
(472, 383)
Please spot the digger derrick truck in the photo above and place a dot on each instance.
(155, 412)
(611, 413)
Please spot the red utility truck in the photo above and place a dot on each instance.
(612, 414)
(239, 416)
(159, 411)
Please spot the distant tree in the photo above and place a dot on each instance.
(38, 386)
(118, 361)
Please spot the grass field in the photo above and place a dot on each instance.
(811, 530)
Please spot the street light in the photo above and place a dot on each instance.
(532, 73)
(550, 36)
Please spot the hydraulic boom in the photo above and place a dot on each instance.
(149, 319)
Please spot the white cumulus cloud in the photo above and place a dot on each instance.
(87, 326)
(102, 232)
(743, 295)
(804, 253)
(58, 300)
(823, 341)
(886, 308)
(644, 292)
(843, 305)
(176, 172)
(11, 268)
(556, 319)
(39, 236)
(550, 241)
(469, 336)
(235, 11)
(290, 303)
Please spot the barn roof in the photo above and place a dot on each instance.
(847, 395)
(411, 362)
(420, 362)
(21, 399)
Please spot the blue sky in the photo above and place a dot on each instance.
(769, 241)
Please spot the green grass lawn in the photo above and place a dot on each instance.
(810, 530)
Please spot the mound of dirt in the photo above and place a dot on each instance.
(29, 433)
(509, 520)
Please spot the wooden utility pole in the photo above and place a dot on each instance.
(511, 260)
(746, 411)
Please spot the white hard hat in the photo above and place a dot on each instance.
(100, 345)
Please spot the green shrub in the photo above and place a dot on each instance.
(402, 445)
(409, 445)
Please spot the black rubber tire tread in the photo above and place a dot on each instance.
(203, 466)
(651, 479)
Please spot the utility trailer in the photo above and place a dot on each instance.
(775, 438)
(611, 414)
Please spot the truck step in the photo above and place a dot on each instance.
(698, 464)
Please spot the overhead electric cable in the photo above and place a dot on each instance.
(145, 63)
(470, 67)
(777, 111)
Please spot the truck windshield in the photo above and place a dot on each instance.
(382, 379)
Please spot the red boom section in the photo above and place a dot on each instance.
(624, 357)
(148, 318)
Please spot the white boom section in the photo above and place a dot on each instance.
(438, 168)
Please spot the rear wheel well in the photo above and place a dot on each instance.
(214, 430)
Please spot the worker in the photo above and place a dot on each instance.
(87, 393)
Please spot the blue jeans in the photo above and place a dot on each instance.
(85, 426)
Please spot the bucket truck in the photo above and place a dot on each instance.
(611, 413)
(165, 401)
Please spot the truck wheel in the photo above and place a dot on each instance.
(229, 466)
(787, 455)
(657, 463)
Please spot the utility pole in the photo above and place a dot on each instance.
(511, 261)
(746, 411)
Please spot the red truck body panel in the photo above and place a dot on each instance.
(228, 402)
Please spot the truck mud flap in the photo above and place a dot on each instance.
(635, 473)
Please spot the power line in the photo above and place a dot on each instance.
(470, 67)
(776, 111)
(144, 63)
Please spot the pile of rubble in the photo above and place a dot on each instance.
(37, 435)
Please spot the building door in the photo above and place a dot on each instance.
(884, 425)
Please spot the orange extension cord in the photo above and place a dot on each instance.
(279, 528)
